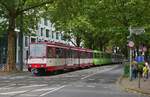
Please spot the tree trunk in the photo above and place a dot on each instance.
(11, 63)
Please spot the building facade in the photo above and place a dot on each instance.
(44, 32)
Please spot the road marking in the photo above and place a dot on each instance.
(55, 89)
(29, 95)
(33, 86)
(105, 70)
(91, 86)
(8, 86)
(14, 92)
(33, 92)
(44, 89)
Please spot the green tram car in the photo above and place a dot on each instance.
(103, 58)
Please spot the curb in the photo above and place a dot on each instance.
(133, 90)
(12, 73)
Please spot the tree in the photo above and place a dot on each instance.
(70, 17)
(10, 10)
(100, 23)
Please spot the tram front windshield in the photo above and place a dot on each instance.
(37, 50)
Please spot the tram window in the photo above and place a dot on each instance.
(50, 52)
(82, 54)
(102, 55)
(62, 53)
(87, 55)
(72, 52)
(109, 55)
(91, 54)
(76, 54)
(106, 55)
(59, 53)
(37, 50)
(97, 55)
(67, 53)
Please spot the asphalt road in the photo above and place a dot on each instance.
(93, 82)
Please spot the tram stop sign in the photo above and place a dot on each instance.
(131, 44)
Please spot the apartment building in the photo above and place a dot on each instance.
(44, 32)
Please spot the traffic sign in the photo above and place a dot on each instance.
(131, 44)
(144, 49)
(136, 30)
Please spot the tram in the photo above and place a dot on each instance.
(45, 57)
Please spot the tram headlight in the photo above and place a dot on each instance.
(42, 65)
(29, 65)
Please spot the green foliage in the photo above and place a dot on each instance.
(10, 11)
(126, 70)
(98, 24)
(140, 66)
(102, 23)
(29, 8)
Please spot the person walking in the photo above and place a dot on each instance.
(146, 71)
(134, 69)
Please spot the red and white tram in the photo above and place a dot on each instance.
(50, 57)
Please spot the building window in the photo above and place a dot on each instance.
(45, 22)
(57, 35)
(41, 31)
(47, 33)
(33, 40)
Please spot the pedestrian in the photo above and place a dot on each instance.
(146, 71)
(134, 69)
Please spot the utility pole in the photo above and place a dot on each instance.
(136, 31)
(130, 44)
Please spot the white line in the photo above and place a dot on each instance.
(44, 89)
(33, 86)
(56, 89)
(15, 92)
(28, 95)
(97, 73)
(8, 86)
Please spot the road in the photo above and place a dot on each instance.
(93, 82)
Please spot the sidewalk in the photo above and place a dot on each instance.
(13, 73)
(133, 85)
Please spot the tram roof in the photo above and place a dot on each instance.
(61, 45)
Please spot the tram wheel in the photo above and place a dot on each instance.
(37, 72)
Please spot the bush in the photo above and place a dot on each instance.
(126, 70)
